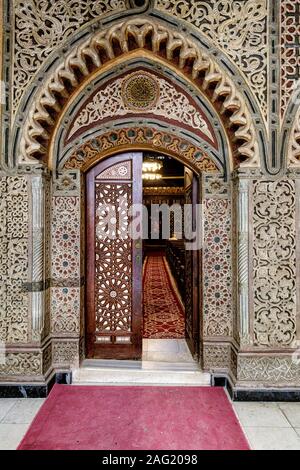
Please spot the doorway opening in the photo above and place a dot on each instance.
(165, 185)
(143, 289)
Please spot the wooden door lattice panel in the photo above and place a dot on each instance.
(113, 271)
(114, 260)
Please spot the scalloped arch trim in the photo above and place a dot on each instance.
(107, 45)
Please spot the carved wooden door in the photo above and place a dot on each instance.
(192, 260)
(114, 259)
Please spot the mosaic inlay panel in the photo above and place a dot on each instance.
(65, 310)
(162, 141)
(66, 238)
(217, 271)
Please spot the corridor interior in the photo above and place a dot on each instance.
(163, 256)
(163, 265)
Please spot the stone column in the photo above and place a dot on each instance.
(243, 260)
(38, 258)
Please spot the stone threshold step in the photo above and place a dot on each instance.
(96, 376)
(139, 365)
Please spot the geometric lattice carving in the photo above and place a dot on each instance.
(41, 27)
(136, 33)
(272, 370)
(293, 156)
(238, 28)
(274, 258)
(65, 353)
(216, 356)
(113, 270)
(13, 259)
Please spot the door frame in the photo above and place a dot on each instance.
(138, 341)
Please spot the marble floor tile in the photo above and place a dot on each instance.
(169, 350)
(11, 435)
(5, 405)
(268, 438)
(23, 411)
(292, 413)
(260, 415)
(167, 345)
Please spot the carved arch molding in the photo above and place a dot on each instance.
(140, 138)
(116, 41)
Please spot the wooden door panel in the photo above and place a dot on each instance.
(114, 260)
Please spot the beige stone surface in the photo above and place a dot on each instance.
(268, 425)
(5, 405)
(261, 415)
(11, 435)
(272, 438)
(292, 413)
(23, 411)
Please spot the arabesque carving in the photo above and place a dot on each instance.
(41, 27)
(165, 101)
(21, 363)
(274, 262)
(239, 28)
(14, 232)
(293, 157)
(106, 45)
(290, 57)
(126, 137)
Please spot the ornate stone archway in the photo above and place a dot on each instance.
(57, 310)
(252, 336)
(120, 39)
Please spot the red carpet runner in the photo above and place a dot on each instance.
(135, 418)
(163, 313)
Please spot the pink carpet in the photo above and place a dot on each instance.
(135, 418)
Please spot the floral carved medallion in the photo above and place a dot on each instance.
(140, 91)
